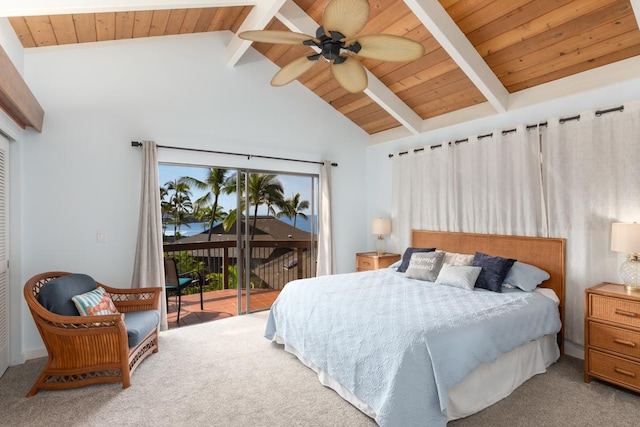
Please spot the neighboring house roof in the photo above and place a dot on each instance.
(267, 228)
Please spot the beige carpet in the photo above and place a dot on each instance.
(224, 373)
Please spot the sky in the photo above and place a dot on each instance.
(292, 184)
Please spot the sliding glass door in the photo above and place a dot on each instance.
(276, 234)
(243, 234)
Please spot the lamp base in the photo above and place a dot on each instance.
(630, 273)
(380, 247)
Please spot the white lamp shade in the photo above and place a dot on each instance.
(625, 237)
(381, 226)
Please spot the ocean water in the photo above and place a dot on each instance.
(198, 227)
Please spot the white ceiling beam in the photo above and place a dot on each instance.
(438, 22)
(297, 20)
(635, 5)
(393, 105)
(453, 118)
(258, 18)
(10, 8)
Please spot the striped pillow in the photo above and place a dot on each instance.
(94, 303)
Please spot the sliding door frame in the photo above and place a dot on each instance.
(243, 241)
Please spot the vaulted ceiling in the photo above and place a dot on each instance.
(482, 57)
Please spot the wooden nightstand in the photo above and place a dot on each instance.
(372, 261)
(612, 335)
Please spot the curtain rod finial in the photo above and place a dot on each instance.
(136, 144)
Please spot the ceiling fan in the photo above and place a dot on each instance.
(337, 41)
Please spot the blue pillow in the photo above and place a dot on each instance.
(494, 271)
(525, 276)
(406, 257)
(396, 264)
(56, 294)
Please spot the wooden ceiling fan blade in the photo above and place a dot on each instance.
(272, 36)
(347, 17)
(350, 74)
(387, 47)
(292, 71)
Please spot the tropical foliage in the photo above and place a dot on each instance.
(294, 207)
(264, 189)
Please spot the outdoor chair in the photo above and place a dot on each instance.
(175, 282)
(94, 348)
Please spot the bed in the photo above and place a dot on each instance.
(409, 352)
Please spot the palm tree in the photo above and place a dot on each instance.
(293, 207)
(216, 183)
(264, 189)
(165, 207)
(179, 202)
(202, 215)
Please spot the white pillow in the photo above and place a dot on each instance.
(458, 276)
(453, 258)
(525, 276)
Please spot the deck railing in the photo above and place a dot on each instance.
(273, 263)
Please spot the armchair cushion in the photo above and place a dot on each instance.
(139, 324)
(56, 294)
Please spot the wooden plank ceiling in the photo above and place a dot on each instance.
(523, 43)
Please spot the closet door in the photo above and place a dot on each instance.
(4, 254)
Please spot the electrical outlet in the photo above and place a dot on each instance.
(101, 236)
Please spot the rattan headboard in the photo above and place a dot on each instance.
(545, 253)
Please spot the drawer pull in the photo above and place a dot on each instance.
(626, 313)
(623, 342)
(625, 372)
(366, 263)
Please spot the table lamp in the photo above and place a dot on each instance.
(625, 237)
(380, 226)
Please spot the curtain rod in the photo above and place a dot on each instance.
(504, 132)
(228, 153)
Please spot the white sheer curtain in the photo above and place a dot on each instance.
(326, 258)
(592, 180)
(497, 184)
(492, 185)
(148, 270)
(422, 194)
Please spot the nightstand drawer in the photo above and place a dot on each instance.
(366, 261)
(365, 264)
(619, 370)
(615, 339)
(614, 310)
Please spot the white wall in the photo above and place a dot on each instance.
(81, 174)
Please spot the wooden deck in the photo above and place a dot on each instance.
(217, 305)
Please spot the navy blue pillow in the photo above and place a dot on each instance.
(56, 294)
(494, 270)
(406, 257)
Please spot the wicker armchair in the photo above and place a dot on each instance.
(86, 350)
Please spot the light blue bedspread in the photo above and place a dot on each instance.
(399, 344)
